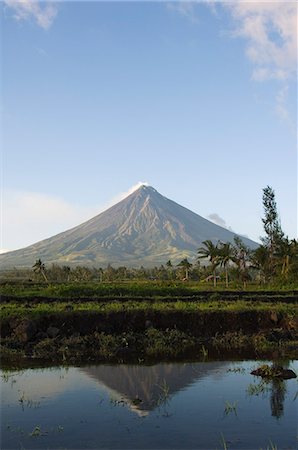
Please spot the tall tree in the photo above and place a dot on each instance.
(225, 256)
(274, 234)
(40, 269)
(287, 257)
(169, 264)
(186, 265)
(241, 258)
(170, 269)
(260, 261)
(211, 252)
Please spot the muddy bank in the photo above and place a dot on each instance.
(128, 294)
(134, 335)
(197, 324)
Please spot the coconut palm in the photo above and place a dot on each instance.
(186, 265)
(211, 252)
(226, 255)
(260, 261)
(286, 255)
(40, 268)
(242, 257)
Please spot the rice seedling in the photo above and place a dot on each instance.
(231, 408)
(204, 351)
(163, 398)
(223, 442)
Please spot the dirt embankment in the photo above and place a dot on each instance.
(197, 324)
(130, 335)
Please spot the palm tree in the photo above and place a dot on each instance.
(66, 271)
(286, 254)
(260, 261)
(226, 255)
(186, 265)
(40, 268)
(210, 251)
(242, 255)
(169, 264)
(170, 269)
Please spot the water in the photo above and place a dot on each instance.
(203, 405)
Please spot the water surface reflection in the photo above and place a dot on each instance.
(163, 406)
(144, 388)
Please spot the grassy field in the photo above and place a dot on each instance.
(24, 309)
(139, 289)
(128, 321)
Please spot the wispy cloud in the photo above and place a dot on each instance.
(270, 29)
(184, 8)
(281, 99)
(218, 220)
(125, 194)
(28, 217)
(3, 250)
(43, 13)
(281, 108)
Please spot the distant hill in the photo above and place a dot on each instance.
(145, 228)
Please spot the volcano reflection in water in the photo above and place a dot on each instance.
(145, 388)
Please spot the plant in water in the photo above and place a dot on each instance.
(236, 370)
(164, 395)
(231, 407)
(22, 398)
(271, 446)
(204, 351)
(257, 389)
(36, 432)
(137, 401)
(223, 442)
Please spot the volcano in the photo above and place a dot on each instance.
(145, 228)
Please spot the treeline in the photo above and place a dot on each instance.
(275, 261)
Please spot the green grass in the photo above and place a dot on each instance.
(37, 309)
(132, 289)
(108, 320)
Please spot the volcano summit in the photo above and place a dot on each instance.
(145, 228)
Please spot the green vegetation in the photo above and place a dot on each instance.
(121, 313)
(20, 309)
(119, 330)
(273, 265)
(231, 407)
(140, 289)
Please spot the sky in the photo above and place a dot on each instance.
(197, 99)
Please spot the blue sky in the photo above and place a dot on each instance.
(197, 99)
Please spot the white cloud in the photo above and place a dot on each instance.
(281, 99)
(184, 8)
(270, 29)
(29, 217)
(216, 218)
(43, 13)
(125, 194)
(3, 250)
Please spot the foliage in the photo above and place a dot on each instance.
(274, 234)
(231, 265)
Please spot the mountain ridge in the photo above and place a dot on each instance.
(145, 228)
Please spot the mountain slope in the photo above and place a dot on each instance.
(145, 228)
